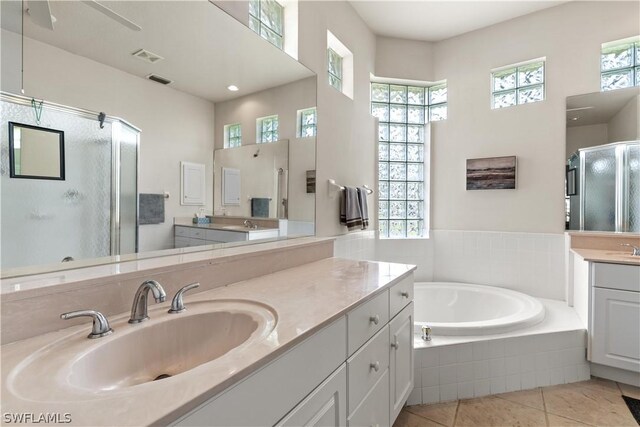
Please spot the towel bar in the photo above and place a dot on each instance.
(334, 188)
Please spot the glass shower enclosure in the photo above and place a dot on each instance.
(608, 196)
(93, 212)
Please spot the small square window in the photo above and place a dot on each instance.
(335, 69)
(267, 129)
(620, 64)
(266, 17)
(518, 84)
(307, 123)
(232, 136)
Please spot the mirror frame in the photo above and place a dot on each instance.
(12, 168)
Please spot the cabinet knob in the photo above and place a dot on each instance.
(404, 294)
(374, 319)
(395, 345)
(375, 366)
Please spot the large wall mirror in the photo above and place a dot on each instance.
(137, 92)
(603, 161)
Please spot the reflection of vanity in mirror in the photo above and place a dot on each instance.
(603, 161)
(117, 192)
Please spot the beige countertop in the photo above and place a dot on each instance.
(607, 256)
(221, 227)
(304, 298)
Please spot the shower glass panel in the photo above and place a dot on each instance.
(599, 195)
(92, 213)
(633, 189)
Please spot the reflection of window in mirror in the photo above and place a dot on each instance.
(266, 17)
(518, 84)
(232, 135)
(620, 64)
(267, 129)
(307, 122)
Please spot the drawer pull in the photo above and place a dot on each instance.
(395, 345)
(375, 366)
(404, 294)
(374, 319)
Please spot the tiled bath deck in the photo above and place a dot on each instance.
(550, 353)
(589, 403)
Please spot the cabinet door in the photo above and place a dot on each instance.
(374, 409)
(325, 406)
(400, 360)
(616, 329)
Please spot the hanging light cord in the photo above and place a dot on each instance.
(37, 108)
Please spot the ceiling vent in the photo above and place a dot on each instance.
(156, 78)
(147, 56)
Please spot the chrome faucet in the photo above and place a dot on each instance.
(177, 305)
(249, 224)
(426, 333)
(101, 326)
(635, 251)
(139, 309)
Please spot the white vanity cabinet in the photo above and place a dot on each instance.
(615, 316)
(358, 371)
(185, 236)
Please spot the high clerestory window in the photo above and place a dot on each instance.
(335, 69)
(517, 84)
(267, 129)
(232, 136)
(307, 122)
(402, 112)
(620, 64)
(266, 17)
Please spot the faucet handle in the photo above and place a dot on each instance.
(177, 305)
(101, 326)
(636, 249)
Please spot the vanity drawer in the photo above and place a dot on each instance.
(226, 236)
(374, 409)
(361, 372)
(616, 276)
(400, 295)
(181, 231)
(367, 319)
(190, 232)
(181, 242)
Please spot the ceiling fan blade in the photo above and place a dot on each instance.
(40, 13)
(113, 15)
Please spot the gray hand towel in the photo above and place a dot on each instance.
(351, 209)
(260, 207)
(151, 209)
(364, 208)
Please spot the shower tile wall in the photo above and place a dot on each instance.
(532, 263)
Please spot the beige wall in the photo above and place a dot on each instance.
(175, 126)
(404, 59)
(570, 36)
(625, 125)
(585, 136)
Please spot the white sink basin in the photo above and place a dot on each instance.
(135, 355)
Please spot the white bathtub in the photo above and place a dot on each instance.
(464, 309)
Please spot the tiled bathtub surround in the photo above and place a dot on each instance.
(483, 368)
(359, 245)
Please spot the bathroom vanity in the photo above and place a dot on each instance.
(209, 234)
(325, 341)
(606, 296)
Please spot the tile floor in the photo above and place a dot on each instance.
(596, 402)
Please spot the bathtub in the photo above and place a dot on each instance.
(464, 309)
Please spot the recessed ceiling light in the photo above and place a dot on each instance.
(232, 88)
(575, 118)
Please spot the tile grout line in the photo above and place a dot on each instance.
(544, 406)
(455, 417)
(426, 418)
(544, 402)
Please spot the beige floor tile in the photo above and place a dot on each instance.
(557, 421)
(492, 411)
(629, 390)
(443, 413)
(407, 419)
(591, 405)
(532, 398)
(599, 384)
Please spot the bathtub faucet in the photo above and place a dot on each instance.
(426, 333)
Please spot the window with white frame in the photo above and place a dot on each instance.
(335, 69)
(267, 129)
(266, 17)
(518, 84)
(620, 64)
(307, 122)
(232, 136)
(402, 112)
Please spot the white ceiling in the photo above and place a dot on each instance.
(598, 107)
(431, 20)
(205, 49)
